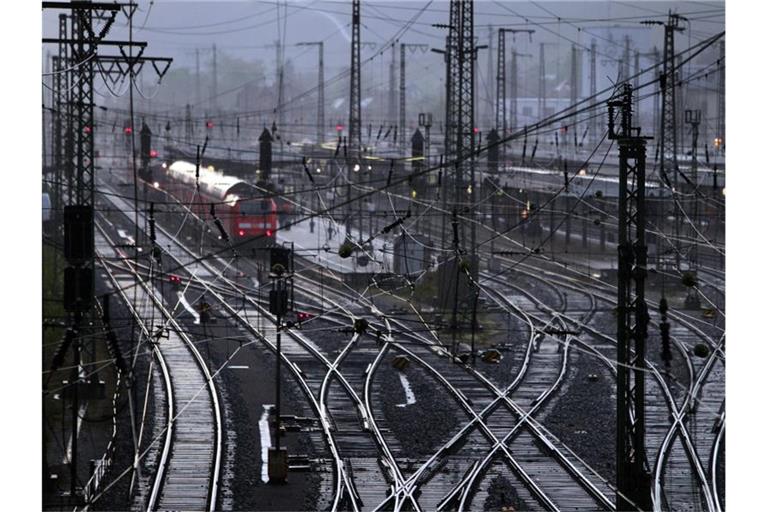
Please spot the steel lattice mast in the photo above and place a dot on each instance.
(320, 89)
(593, 88)
(465, 97)
(321, 95)
(501, 85)
(355, 141)
(401, 129)
(452, 73)
(391, 105)
(668, 131)
(60, 119)
(575, 81)
(401, 124)
(721, 101)
(502, 126)
(632, 477)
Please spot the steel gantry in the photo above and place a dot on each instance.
(632, 475)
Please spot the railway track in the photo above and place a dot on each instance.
(680, 473)
(358, 447)
(189, 464)
(344, 401)
(505, 428)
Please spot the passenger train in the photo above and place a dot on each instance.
(247, 213)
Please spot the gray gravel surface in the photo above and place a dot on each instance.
(502, 495)
(584, 415)
(421, 427)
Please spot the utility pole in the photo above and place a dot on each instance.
(78, 215)
(401, 129)
(668, 132)
(214, 83)
(543, 80)
(354, 141)
(60, 118)
(542, 87)
(83, 43)
(657, 102)
(593, 88)
(655, 57)
(693, 118)
(720, 137)
(461, 55)
(189, 127)
(198, 96)
(280, 88)
(575, 68)
(489, 106)
(502, 127)
(626, 60)
(320, 91)
(501, 86)
(44, 121)
(392, 107)
(465, 125)
(632, 478)
(452, 87)
(402, 99)
(636, 82)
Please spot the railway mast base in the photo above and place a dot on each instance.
(277, 465)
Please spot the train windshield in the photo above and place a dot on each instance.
(255, 206)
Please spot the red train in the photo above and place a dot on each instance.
(245, 212)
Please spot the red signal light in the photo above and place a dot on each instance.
(174, 279)
(339, 127)
(241, 233)
(87, 129)
(209, 124)
(152, 153)
(128, 130)
(475, 130)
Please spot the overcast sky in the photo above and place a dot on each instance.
(248, 29)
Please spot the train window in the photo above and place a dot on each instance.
(254, 207)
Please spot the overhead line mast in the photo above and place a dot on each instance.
(632, 475)
(502, 127)
(668, 132)
(320, 90)
(355, 141)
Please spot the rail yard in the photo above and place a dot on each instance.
(378, 277)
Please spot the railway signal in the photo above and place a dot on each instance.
(146, 144)
(281, 274)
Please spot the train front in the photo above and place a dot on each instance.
(250, 217)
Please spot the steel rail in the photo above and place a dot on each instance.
(163, 462)
(677, 417)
